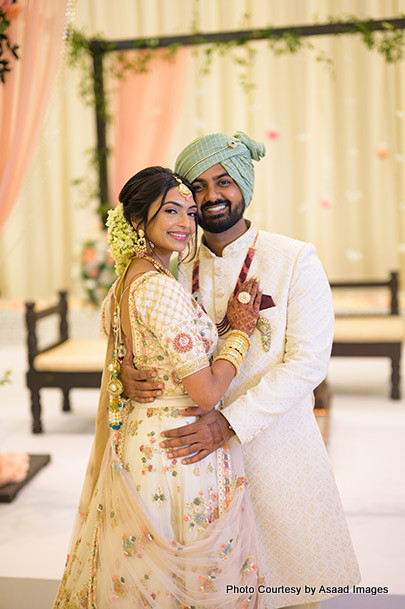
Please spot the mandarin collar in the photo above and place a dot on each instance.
(241, 244)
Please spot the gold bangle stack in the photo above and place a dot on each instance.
(236, 346)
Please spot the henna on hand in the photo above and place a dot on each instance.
(243, 316)
(199, 439)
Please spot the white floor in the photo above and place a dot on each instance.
(366, 447)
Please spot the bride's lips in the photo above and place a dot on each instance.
(179, 236)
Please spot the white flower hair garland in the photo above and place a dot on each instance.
(121, 238)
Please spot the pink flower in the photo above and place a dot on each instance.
(382, 153)
(89, 254)
(12, 12)
(273, 134)
(326, 202)
(4, 4)
(92, 272)
(13, 467)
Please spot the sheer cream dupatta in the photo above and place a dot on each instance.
(216, 571)
(102, 433)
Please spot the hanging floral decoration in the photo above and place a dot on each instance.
(9, 10)
(121, 238)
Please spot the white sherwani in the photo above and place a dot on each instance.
(302, 531)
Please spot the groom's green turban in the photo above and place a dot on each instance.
(235, 154)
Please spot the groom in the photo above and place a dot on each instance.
(304, 543)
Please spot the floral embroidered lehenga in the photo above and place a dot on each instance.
(152, 532)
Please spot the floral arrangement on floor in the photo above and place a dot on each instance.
(96, 268)
(9, 10)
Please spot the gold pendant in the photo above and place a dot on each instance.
(113, 365)
(115, 387)
(264, 327)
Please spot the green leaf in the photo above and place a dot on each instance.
(3, 26)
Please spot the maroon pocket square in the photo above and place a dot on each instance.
(267, 302)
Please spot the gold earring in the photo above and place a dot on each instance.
(140, 243)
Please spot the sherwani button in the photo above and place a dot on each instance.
(220, 292)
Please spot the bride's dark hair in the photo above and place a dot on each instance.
(138, 194)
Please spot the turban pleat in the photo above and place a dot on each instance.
(235, 154)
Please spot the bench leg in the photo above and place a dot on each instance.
(36, 411)
(322, 396)
(66, 400)
(395, 378)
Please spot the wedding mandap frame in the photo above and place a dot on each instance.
(99, 48)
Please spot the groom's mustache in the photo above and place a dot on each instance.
(214, 203)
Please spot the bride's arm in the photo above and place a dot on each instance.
(166, 309)
(207, 386)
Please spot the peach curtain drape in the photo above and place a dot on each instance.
(24, 97)
(147, 108)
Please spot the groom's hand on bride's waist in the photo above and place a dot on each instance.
(197, 439)
(138, 384)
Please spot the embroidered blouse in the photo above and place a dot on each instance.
(171, 334)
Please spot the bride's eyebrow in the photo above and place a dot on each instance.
(178, 204)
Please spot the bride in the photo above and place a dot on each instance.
(152, 532)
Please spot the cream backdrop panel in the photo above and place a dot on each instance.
(334, 171)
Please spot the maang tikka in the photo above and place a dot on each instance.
(183, 188)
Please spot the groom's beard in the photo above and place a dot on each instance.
(222, 220)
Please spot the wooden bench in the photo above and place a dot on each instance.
(66, 363)
(372, 335)
(73, 363)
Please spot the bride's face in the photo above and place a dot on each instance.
(174, 225)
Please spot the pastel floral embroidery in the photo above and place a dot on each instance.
(226, 549)
(159, 497)
(207, 344)
(200, 512)
(171, 467)
(249, 565)
(163, 412)
(128, 545)
(119, 585)
(207, 583)
(117, 465)
(183, 342)
(133, 428)
(240, 482)
(147, 451)
(151, 436)
(145, 579)
(149, 468)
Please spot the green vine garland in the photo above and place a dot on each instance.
(6, 16)
(390, 43)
